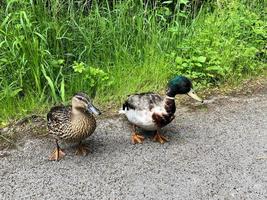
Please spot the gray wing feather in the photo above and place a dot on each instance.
(143, 101)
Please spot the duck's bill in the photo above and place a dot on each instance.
(93, 109)
(192, 94)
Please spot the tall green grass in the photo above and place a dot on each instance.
(48, 51)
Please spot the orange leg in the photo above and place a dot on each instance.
(82, 149)
(160, 138)
(137, 138)
(57, 154)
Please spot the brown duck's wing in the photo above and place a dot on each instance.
(59, 113)
(58, 117)
(142, 101)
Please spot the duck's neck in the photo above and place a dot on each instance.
(82, 120)
(78, 114)
(76, 111)
(169, 104)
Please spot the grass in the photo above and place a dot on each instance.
(47, 53)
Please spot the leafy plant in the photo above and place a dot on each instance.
(226, 45)
(92, 77)
(200, 68)
(50, 51)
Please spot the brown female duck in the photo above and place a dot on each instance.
(72, 123)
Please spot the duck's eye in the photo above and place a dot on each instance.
(80, 98)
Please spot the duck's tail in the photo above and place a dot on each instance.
(121, 111)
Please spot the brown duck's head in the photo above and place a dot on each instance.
(82, 101)
(181, 85)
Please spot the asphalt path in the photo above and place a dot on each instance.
(216, 151)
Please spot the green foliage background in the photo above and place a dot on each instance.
(52, 49)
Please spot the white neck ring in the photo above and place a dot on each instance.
(172, 98)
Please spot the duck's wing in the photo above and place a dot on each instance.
(58, 116)
(58, 113)
(142, 101)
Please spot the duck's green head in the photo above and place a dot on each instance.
(181, 85)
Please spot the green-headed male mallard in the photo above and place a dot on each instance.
(72, 123)
(150, 111)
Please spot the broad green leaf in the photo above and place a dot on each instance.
(179, 60)
(201, 59)
(184, 1)
(78, 67)
(198, 64)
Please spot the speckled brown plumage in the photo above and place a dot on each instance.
(63, 124)
(72, 123)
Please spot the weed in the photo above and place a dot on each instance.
(49, 51)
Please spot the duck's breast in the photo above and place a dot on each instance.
(141, 118)
(144, 118)
(82, 127)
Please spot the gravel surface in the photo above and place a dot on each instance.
(216, 151)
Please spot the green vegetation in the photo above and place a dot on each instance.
(48, 51)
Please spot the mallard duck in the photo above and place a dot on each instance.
(72, 123)
(151, 112)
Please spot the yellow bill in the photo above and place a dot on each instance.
(192, 94)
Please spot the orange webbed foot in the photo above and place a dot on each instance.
(82, 150)
(57, 154)
(160, 138)
(136, 138)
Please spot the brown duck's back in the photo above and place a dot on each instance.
(62, 124)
